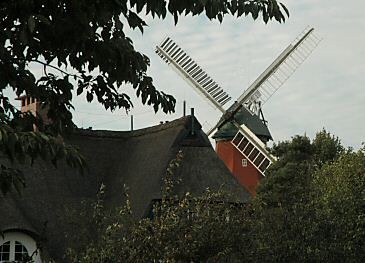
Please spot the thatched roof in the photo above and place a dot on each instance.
(137, 159)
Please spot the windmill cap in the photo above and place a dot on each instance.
(253, 122)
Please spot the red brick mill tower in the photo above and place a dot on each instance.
(241, 134)
(240, 166)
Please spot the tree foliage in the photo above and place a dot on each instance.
(281, 200)
(299, 208)
(289, 179)
(82, 48)
(184, 228)
(339, 202)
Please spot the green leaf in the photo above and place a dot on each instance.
(31, 24)
(89, 96)
(285, 9)
(220, 17)
(23, 36)
(79, 90)
(176, 18)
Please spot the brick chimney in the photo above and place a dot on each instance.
(34, 105)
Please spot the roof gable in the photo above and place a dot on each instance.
(137, 159)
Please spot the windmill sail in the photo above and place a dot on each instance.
(252, 149)
(279, 71)
(245, 141)
(189, 70)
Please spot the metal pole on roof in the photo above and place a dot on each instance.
(131, 122)
(184, 108)
(192, 121)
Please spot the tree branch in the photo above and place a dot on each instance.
(56, 68)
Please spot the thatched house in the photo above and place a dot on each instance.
(137, 159)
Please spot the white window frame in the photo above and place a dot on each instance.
(244, 162)
(27, 241)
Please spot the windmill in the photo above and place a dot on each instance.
(241, 133)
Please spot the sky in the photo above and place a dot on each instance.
(327, 91)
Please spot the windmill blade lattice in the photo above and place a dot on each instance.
(189, 70)
(279, 71)
(252, 149)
